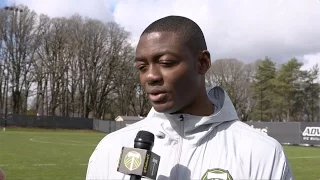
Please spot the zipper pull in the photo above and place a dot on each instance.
(181, 117)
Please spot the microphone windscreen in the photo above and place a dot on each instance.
(145, 136)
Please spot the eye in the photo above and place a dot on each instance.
(141, 67)
(167, 63)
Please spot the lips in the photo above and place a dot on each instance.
(157, 97)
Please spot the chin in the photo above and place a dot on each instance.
(163, 108)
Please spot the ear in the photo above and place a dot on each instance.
(204, 62)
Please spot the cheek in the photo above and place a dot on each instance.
(183, 85)
(142, 81)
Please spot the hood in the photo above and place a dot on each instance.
(194, 128)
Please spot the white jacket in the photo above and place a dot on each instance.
(195, 147)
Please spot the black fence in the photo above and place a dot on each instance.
(52, 122)
(107, 126)
(296, 133)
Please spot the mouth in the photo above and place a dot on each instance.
(157, 97)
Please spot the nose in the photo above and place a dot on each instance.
(153, 75)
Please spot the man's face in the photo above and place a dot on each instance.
(168, 71)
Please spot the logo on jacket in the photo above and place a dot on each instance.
(132, 160)
(216, 174)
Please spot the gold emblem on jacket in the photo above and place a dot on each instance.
(216, 174)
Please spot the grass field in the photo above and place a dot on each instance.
(29, 154)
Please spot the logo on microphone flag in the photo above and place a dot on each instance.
(139, 162)
(132, 160)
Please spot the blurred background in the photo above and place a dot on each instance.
(67, 75)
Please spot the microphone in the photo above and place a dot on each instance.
(139, 161)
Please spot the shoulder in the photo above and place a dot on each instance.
(107, 152)
(124, 136)
(244, 131)
(256, 143)
(247, 136)
(259, 152)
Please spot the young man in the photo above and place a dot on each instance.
(197, 132)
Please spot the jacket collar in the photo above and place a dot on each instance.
(194, 128)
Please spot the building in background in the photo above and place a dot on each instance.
(129, 119)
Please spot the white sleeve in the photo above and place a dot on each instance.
(98, 165)
(270, 163)
(280, 167)
(286, 172)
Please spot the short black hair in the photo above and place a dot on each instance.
(187, 30)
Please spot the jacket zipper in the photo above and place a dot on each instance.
(180, 143)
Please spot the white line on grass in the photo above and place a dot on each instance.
(304, 157)
(77, 142)
(2, 165)
(44, 164)
(41, 141)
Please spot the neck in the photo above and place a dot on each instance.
(202, 106)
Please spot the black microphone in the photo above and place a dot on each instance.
(140, 161)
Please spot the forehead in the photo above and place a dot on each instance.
(152, 43)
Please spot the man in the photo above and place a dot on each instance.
(2, 175)
(198, 133)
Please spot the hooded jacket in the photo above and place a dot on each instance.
(191, 147)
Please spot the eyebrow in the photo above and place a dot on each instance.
(157, 55)
(139, 59)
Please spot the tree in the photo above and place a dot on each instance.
(287, 84)
(79, 66)
(235, 77)
(264, 89)
(307, 98)
(18, 50)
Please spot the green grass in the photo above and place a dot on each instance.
(304, 161)
(63, 155)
